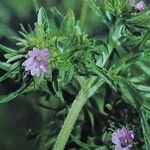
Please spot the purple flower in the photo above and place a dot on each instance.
(123, 139)
(140, 6)
(137, 6)
(37, 61)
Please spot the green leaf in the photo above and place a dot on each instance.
(15, 58)
(13, 95)
(94, 6)
(137, 79)
(145, 40)
(129, 92)
(107, 137)
(56, 12)
(81, 144)
(118, 65)
(66, 71)
(115, 6)
(140, 20)
(36, 5)
(128, 60)
(41, 16)
(145, 126)
(141, 56)
(108, 5)
(99, 11)
(43, 19)
(91, 119)
(4, 66)
(146, 103)
(100, 103)
(11, 69)
(101, 73)
(143, 88)
(5, 49)
(9, 55)
(23, 29)
(68, 23)
(144, 68)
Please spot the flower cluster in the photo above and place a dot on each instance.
(37, 61)
(123, 139)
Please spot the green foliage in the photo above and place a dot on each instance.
(129, 92)
(140, 20)
(7, 50)
(68, 22)
(116, 6)
(106, 80)
(101, 73)
(42, 19)
(145, 125)
(13, 95)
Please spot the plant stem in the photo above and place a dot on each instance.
(68, 125)
(76, 107)
(70, 121)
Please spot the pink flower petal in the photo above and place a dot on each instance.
(28, 62)
(44, 69)
(32, 66)
(123, 139)
(35, 71)
(140, 6)
(44, 53)
(115, 138)
(33, 53)
(119, 147)
(37, 61)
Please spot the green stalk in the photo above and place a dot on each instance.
(76, 108)
(68, 124)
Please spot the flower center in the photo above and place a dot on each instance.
(38, 58)
(124, 143)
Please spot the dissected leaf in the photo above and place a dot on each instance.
(101, 73)
(5, 66)
(13, 95)
(5, 49)
(68, 22)
(129, 92)
(11, 70)
(140, 20)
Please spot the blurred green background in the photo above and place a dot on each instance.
(18, 118)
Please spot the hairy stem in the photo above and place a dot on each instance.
(76, 108)
(68, 124)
